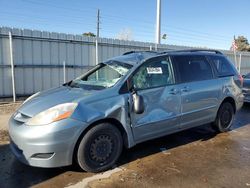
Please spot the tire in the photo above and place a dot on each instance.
(99, 148)
(224, 118)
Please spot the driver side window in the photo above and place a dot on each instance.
(153, 74)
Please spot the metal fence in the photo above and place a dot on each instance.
(38, 58)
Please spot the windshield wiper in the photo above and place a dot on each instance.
(67, 83)
(71, 84)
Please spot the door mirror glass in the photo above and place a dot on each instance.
(138, 105)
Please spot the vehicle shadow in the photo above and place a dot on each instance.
(202, 133)
(15, 174)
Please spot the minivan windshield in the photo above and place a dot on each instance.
(104, 75)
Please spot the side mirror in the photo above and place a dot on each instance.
(243, 76)
(138, 104)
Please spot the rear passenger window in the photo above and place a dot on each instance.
(193, 68)
(223, 66)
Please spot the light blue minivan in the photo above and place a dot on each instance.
(124, 101)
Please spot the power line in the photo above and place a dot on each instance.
(58, 7)
(197, 32)
(142, 32)
(144, 27)
(44, 16)
(82, 10)
(70, 21)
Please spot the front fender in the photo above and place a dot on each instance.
(111, 108)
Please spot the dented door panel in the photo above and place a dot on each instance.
(161, 115)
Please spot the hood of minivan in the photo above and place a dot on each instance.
(53, 97)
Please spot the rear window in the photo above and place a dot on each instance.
(193, 68)
(223, 66)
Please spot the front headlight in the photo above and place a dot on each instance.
(56, 113)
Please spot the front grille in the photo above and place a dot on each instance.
(21, 118)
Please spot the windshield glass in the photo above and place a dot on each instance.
(103, 76)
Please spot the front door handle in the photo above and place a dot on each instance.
(185, 89)
(173, 91)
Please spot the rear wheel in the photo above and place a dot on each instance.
(100, 148)
(225, 117)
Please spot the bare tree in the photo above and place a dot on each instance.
(125, 34)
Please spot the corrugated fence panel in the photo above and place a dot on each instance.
(39, 56)
(54, 60)
(6, 73)
(62, 56)
(245, 64)
(37, 59)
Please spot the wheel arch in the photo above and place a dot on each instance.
(231, 100)
(113, 121)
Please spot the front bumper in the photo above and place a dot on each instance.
(247, 98)
(45, 146)
(239, 101)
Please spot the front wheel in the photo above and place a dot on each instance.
(100, 148)
(225, 117)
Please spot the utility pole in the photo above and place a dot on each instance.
(97, 36)
(158, 24)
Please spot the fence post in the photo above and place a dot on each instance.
(235, 59)
(64, 71)
(156, 46)
(96, 51)
(239, 63)
(12, 68)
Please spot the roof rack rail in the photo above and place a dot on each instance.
(134, 51)
(195, 50)
(129, 52)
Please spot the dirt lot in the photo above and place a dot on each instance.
(192, 158)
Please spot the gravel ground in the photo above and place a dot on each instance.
(8, 108)
(4, 136)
